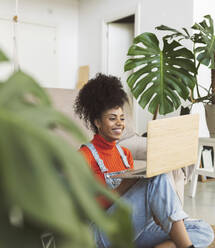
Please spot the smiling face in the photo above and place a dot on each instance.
(111, 124)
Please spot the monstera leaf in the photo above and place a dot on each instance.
(45, 184)
(175, 34)
(161, 77)
(207, 50)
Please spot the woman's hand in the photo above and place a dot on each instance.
(125, 185)
(156, 221)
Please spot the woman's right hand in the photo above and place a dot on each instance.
(125, 185)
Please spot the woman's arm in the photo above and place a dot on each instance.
(166, 244)
(179, 235)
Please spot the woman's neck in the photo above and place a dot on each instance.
(100, 141)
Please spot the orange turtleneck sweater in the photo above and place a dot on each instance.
(110, 155)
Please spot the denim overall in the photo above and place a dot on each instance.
(148, 197)
(111, 182)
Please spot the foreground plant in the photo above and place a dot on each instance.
(45, 185)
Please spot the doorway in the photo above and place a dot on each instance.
(120, 34)
(117, 36)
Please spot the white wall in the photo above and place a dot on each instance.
(59, 18)
(91, 19)
(202, 8)
(152, 13)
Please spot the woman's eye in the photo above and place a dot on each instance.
(113, 119)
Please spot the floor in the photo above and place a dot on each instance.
(203, 205)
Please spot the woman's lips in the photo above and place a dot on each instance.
(117, 130)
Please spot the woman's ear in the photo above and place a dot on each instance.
(97, 123)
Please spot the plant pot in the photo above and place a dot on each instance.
(210, 118)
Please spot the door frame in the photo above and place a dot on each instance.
(104, 45)
(105, 22)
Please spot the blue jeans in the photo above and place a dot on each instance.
(156, 197)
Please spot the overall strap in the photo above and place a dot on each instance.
(123, 156)
(111, 182)
(97, 158)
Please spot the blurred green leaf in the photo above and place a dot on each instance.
(45, 178)
(3, 57)
(17, 88)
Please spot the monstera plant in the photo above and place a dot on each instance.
(203, 48)
(47, 191)
(162, 76)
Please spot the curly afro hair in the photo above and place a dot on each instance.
(98, 95)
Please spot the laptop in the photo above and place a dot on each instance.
(172, 143)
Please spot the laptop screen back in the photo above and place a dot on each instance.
(172, 143)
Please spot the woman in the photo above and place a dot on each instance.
(100, 103)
